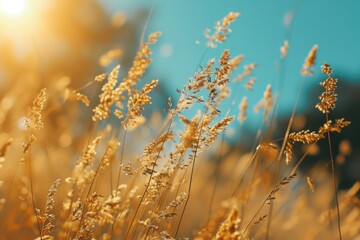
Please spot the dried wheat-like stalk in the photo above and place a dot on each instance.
(34, 118)
(101, 77)
(284, 49)
(222, 28)
(140, 65)
(235, 62)
(265, 103)
(250, 84)
(326, 69)
(248, 69)
(113, 94)
(311, 184)
(84, 99)
(47, 218)
(243, 108)
(309, 62)
(107, 97)
(213, 132)
(229, 229)
(136, 102)
(109, 56)
(329, 97)
(307, 137)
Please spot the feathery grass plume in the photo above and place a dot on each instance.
(235, 62)
(309, 62)
(136, 102)
(218, 88)
(326, 69)
(217, 91)
(222, 28)
(284, 49)
(304, 136)
(101, 77)
(113, 146)
(83, 172)
(329, 97)
(166, 215)
(327, 102)
(113, 95)
(90, 217)
(188, 138)
(243, 108)
(288, 152)
(336, 127)
(26, 145)
(109, 56)
(283, 182)
(188, 96)
(229, 229)
(111, 206)
(47, 218)
(211, 227)
(248, 69)
(107, 97)
(213, 132)
(265, 103)
(307, 137)
(150, 154)
(140, 65)
(201, 78)
(250, 84)
(84, 99)
(34, 118)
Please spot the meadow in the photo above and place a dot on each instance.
(93, 162)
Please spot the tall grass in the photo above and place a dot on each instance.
(77, 167)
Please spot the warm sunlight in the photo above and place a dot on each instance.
(12, 7)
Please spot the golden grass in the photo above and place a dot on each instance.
(112, 173)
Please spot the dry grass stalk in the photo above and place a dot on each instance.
(229, 229)
(84, 99)
(250, 84)
(243, 107)
(34, 118)
(156, 186)
(284, 49)
(266, 103)
(222, 29)
(248, 69)
(109, 56)
(47, 218)
(311, 184)
(309, 62)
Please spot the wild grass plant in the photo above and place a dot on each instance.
(78, 167)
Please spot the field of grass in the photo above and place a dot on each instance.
(92, 162)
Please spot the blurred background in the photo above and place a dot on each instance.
(65, 42)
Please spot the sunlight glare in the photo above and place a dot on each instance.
(12, 7)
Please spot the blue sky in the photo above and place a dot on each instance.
(257, 34)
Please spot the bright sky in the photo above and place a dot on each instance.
(258, 34)
(12, 7)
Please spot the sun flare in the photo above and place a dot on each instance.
(12, 7)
